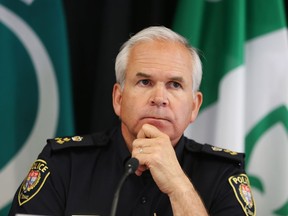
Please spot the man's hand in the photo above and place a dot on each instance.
(155, 152)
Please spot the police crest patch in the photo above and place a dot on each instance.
(241, 187)
(33, 181)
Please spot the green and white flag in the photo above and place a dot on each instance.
(35, 93)
(244, 45)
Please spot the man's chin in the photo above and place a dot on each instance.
(162, 124)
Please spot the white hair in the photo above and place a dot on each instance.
(151, 34)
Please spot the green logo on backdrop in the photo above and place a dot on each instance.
(279, 115)
(29, 93)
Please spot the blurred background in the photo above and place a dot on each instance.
(96, 31)
(57, 73)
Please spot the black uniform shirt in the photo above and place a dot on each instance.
(79, 175)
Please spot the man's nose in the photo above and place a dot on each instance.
(159, 96)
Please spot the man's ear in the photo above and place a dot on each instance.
(117, 98)
(197, 101)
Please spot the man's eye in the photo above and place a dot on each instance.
(144, 82)
(175, 85)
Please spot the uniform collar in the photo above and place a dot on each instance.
(122, 148)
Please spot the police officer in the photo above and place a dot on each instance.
(156, 97)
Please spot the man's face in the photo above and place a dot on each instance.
(157, 90)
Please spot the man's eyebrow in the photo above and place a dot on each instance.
(177, 79)
(141, 74)
(173, 78)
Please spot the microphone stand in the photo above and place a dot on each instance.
(130, 167)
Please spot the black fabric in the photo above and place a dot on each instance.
(84, 177)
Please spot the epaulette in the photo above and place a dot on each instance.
(226, 153)
(216, 151)
(96, 139)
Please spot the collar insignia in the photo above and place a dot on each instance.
(67, 139)
(214, 148)
(77, 138)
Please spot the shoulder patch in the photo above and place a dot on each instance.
(242, 190)
(34, 181)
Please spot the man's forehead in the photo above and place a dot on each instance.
(148, 59)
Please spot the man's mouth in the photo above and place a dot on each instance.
(155, 118)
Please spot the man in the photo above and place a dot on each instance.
(156, 97)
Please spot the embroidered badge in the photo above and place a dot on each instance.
(241, 187)
(33, 182)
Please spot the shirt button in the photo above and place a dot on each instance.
(143, 200)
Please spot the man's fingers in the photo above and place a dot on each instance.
(149, 131)
(140, 170)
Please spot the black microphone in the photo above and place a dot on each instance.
(130, 167)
